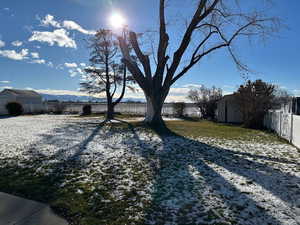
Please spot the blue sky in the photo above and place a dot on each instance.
(42, 45)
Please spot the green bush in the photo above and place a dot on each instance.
(14, 109)
(87, 110)
(59, 108)
(179, 109)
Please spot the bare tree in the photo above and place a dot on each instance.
(282, 98)
(106, 73)
(179, 109)
(206, 100)
(254, 100)
(215, 24)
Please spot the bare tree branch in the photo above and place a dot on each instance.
(144, 59)
(215, 24)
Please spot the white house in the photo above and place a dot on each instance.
(30, 101)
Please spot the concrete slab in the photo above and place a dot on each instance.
(20, 211)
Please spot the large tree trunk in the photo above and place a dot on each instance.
(110, 107)
(110, 111)
(153, 116)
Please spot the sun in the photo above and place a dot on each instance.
(117, 20)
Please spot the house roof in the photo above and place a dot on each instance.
(25, 93)
(228, 97)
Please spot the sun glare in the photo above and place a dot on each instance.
(117, 20)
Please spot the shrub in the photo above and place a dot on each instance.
(87, 110)
(59, 108)
(255, 98)
(179, 109)
(14, 109)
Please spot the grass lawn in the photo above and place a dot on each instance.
(193, 127)
(125, 174)
(204, 128)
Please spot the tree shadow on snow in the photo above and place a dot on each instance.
(190, 186)
(5, 117)
(59, 159)
(194, 183)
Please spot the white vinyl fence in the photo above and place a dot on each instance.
(127, 108)
(286, 125)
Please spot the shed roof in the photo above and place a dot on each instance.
(228, 97)
(23, 93)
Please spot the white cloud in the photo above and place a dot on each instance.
(71, 25)
(296, 93)
(39, 61)
(72, 73)
(83, 64)
(172, 98)
(49, 20)
(178, 94)
(70, 65)
(6, 87)
(59, 37)
(75, 71)
(12, 54)
(35, 55)
(28, 28)
(50, 64)
(192, 86)
(80, 71)
(179, 91)
(24, 55)
(17, 43)
(60, 92)
(2, 44)
(60, 67)
(4, 81)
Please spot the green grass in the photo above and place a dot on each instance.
(204, 128)
(27, 183)
(78, 208)
(196, 128)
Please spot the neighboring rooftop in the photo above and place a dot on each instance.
(27, 93)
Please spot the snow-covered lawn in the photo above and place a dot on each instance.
(122, 174)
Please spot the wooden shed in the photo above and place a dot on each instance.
(228, 110)
(30, 101)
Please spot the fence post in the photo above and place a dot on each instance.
(292, 128)
(280, 124)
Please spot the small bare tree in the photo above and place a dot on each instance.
(206, 100)
(282, 98)
(106, 72)
(179, 109)
(215, 24)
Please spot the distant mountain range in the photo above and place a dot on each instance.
(77, 98)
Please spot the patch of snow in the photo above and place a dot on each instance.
(180, 180)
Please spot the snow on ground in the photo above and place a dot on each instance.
(176, 180)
